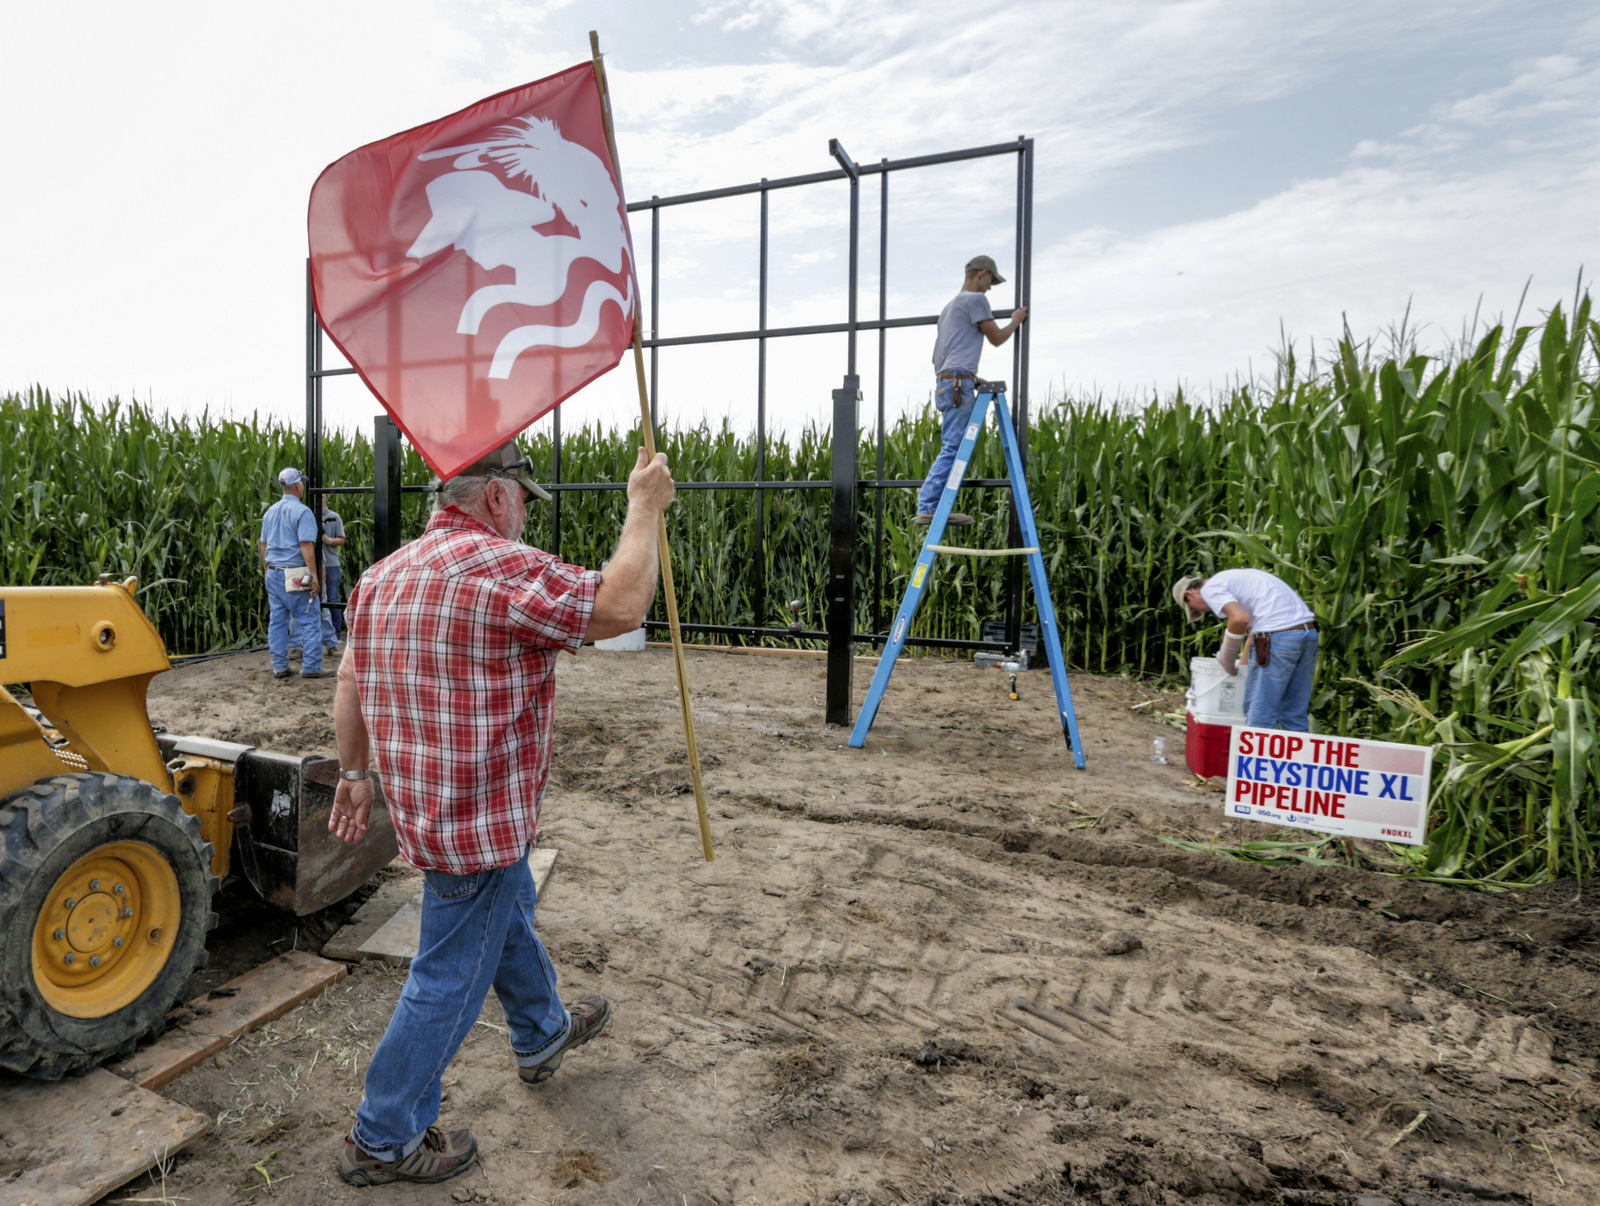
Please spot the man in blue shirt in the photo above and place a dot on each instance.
(963, 326)
(288, 547)
(333, 538)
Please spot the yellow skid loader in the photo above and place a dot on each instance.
(113, 838)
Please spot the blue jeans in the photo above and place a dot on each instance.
(1278, 695)
(954, 400)
(332, 621)
(332, 618)
(477, 931)
(283, 606)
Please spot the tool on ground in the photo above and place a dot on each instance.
(1014, 694)
(988, 392)
(114, 838)
(648, 429)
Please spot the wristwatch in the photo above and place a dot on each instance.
(355, 774)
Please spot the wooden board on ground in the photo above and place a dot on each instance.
(399, 937)
(222, 1015)
(71, 1142)
(383, 904)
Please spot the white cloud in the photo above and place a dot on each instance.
(1198, 302)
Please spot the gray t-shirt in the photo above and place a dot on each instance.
(960, 341)
(332, 525)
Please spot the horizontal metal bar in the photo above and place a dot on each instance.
(737, 190)
(821, 328)
(890, 165)
(366, 490)
(912, 483)
(900, 484)
(941, 643)
(916, 161)
(864, 484)
(806, 634)
(344, 372)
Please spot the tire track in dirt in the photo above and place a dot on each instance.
(894, 985)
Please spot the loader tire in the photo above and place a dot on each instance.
(105, 904)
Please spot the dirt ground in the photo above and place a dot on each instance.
(946, 968)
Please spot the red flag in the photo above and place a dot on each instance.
(478, 270)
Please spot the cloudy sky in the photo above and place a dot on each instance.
(1209, 172)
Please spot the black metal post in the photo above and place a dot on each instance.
(655, 310)
(386, 456)
(760, 600)
(846, 415)
(314, 428)
(879, 620)
(842, 554)
(1025, 297)
(854, 173)
(555, 478)
(313, 382)
(1013, 578)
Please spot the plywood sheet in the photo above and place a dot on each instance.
(372, 915)
(71, 1142)
(219, 1017)
(399, 937)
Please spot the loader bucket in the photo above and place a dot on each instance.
(281, 839)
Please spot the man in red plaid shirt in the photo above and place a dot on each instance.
(449, 678)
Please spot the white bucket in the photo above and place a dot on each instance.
(1212, 690)
(628, 642)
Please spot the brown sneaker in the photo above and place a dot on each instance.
(589, 1017)
(437, 1158)
(956, 520)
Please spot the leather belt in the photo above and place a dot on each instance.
(1308, 626)
(959, 376)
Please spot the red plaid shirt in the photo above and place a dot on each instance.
(455, 638)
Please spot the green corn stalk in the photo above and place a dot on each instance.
(1443, 518)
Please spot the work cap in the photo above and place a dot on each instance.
(1182, 587)
(507, 461)
(983, 261)
(290, 477)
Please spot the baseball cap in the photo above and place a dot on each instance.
(290, 477)
(1182, 587)
(982, 261)
(507, 461)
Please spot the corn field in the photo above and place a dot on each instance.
(1443, 519)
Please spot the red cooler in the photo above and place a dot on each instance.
(1205, 745)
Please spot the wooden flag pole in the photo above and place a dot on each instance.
(648, 428)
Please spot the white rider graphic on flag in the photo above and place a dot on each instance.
(476, 213)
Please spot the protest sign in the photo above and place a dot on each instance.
(1339, 785)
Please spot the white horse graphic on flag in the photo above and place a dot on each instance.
(473, 211)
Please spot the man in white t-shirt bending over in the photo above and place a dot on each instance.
(963, 326)
(1283, 647)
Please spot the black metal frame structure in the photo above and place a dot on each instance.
(845, 482)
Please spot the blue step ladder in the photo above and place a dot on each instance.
(988, 392)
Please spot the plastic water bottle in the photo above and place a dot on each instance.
(1158, 750)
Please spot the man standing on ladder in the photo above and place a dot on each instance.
(963, 326)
